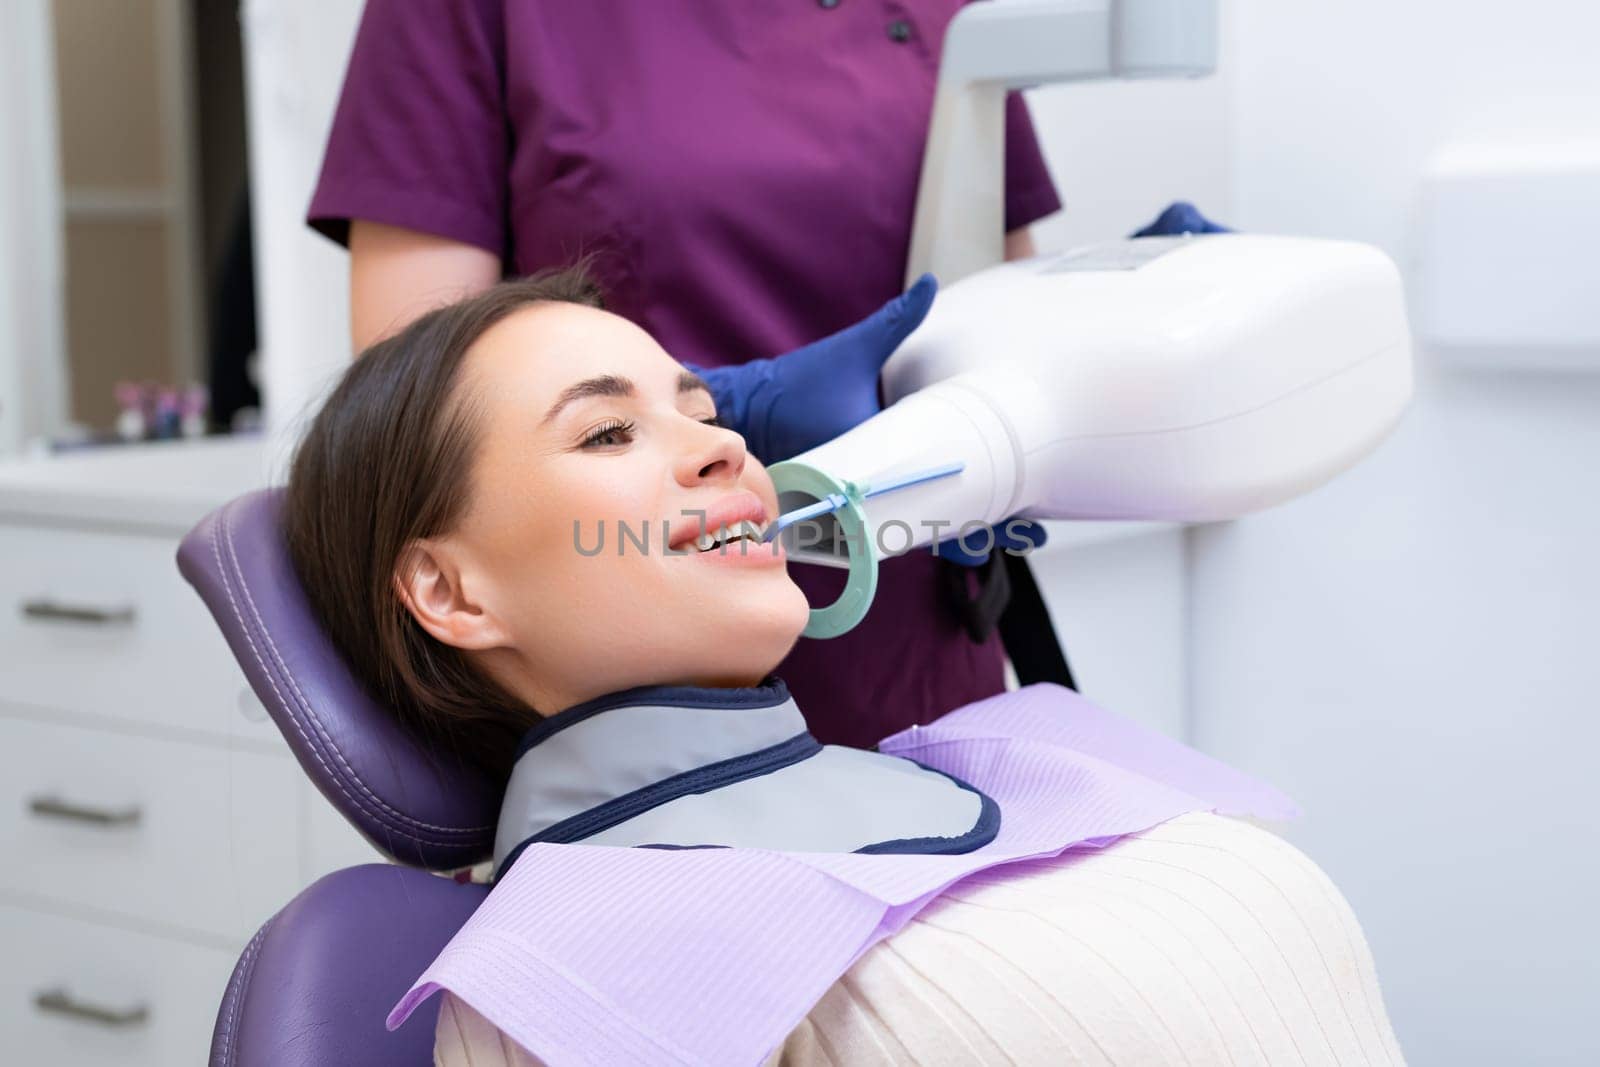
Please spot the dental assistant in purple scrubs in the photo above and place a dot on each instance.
(746, 173)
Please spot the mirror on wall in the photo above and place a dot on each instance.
(157, 295)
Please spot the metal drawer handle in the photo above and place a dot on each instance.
(55, 611)
(60, 1002)
(56, 808)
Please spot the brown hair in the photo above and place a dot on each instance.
(388, 460)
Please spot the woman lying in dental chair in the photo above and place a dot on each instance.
(1041, 883)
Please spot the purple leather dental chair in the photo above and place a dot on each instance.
(315, 983)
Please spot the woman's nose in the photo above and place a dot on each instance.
(711, 453)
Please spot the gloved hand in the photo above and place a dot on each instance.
(789, 403)
(1017, 535)
(1180, 217)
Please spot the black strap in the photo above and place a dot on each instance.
(1027, 632)
(979, 613)
(1008, 597)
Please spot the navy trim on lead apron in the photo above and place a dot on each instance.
(699, 780)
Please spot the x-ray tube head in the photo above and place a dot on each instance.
(1188, 379)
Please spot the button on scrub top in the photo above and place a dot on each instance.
(746, 173)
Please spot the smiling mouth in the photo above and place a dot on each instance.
(743, 530)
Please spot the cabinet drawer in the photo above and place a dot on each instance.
(79, 993)
(103, 623)
(197, 836)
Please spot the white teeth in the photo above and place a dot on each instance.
(744, 528)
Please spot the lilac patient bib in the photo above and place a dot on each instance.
(589, 954)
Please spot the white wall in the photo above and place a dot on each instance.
(1412, 652)
(1122, 151)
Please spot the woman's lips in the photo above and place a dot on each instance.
(724, 513)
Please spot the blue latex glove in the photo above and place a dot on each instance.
(1180, 217)
(789, 403)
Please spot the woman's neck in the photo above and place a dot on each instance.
(531, 682)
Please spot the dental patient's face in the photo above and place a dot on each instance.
(593, 437)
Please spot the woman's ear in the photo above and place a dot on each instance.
(429, 583)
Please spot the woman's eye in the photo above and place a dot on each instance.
(611, 433)
(715, 421)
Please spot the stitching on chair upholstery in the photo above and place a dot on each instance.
(316, 723)
(398, 820)
(247, 967)
(300, 713)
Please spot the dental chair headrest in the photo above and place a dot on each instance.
(409, 804)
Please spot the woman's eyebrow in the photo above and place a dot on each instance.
(689, 381)
(602, 385)
(615, 385)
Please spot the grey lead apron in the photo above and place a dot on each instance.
(693, 767)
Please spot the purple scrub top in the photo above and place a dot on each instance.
(746, 173)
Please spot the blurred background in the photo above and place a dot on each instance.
(1409, 652)
(125, 132)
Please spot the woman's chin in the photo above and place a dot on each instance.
(759, 639)
(770, 603)
(792, 611)
(741, 626)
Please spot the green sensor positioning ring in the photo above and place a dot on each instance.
(843, 614)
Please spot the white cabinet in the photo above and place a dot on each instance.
(101, 623)
(110, 821)
(85, 993)
(150, 816)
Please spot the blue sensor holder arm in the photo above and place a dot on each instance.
(835, 501)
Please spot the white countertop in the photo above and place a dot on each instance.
(163, 486)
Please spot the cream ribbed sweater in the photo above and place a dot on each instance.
(1204, 940)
